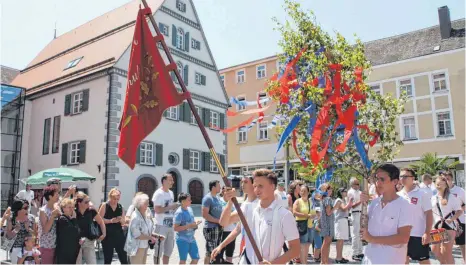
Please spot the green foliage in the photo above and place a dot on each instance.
(431, 164)
(379, 112)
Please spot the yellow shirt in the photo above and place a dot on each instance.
(303, 207)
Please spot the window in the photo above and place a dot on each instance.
(195, 44)
(180, 6)
(56, 134)
(405, 86)
(263, 131)
(172, 113)
(193, 120)
(222, 78)
(179, 66)
(242, 134)
(444, 124)
(194, 160)
(77, 103)
(262, 96)
(146, 153)
(73, 63)
(241, 107)
(213, 165)
(164, 29)
(260, 71)
(240, 76)
(214, 119)
(46, 138)
(74, 153)
(440, 82)
(375, 88)
(180, 39)
(200, 79)
(409, 128)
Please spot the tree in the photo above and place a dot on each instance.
(431, 164)
(319, 51)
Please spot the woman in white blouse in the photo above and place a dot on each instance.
(446, 209)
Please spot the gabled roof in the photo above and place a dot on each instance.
(100, 42)
(8, 74)
(415, 44)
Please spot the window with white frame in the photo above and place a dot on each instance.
(240, 107)
(222, 78)
(440, 82)
(262, 96)
(242, 134)
(164, 29)
(74, 153)
(193, 120)
(194, 160)
(146, 153)
(406, 87)
(180, 5)
(195, 44)
(172, 113)
(214, 119)
(263, 131)
(240, 76)
(198, 78)
(213, 165)
(409, 128)
(180, 39)
(375, 88)
(444, 124)
(77, 102)
(260, 71)
(73, 63)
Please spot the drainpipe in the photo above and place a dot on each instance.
(108, 133)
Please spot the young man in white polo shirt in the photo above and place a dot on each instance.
(418, 245)
(356, 243)
(390, 221)
(281, 195)
(272, 225)
(427, 185)
(459, 193)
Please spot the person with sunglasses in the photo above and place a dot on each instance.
(354, 194)
(85, 216)
(418, 245)
(390, 221)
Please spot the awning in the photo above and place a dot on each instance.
(63, 173)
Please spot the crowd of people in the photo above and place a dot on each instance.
(402, 216)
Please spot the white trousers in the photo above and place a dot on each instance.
(356, 243)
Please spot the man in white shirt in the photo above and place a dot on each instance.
(459, 193)
(280, 194)
(390, 221)
(427, 185)
(356, 243)
(27, 195)
(164, 208)
(271, 225)
(418, 245)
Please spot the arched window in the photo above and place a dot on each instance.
(180, 39)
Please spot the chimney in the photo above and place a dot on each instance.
(444, 22)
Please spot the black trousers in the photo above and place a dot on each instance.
(114, 241)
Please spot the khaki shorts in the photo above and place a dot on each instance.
(166, 245)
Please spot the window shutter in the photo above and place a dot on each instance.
(206, 118)
(85, 99)
(161, 27)
(203, 80)
(165, 113)
(198, 45)
(67, 104)
(187, 112)
(222, 121)
(82, 152)
(185, 75)
(186, 159)
(158, 155)
(222, 161)
(181, 112)
(186, 42)
(138, 154)
(205, 166)
(64, 154)
(174, 35)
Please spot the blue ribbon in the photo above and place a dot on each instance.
(360, 148)
(286, 133)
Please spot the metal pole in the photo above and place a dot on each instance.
(287, 165)
(206, 137)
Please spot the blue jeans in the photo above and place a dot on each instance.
(311, 236)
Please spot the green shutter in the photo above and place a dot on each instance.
(185, 75)
(186, 41)
(203, 80)
(205, 163)
(158, 155)
(67, 104)
(82, 152)
(186, 159)
(222, 161)
(222, 121)
(138, 154)
(187, 112)
(86, 100)
(64, 154)
(174, 35)
(206, 117)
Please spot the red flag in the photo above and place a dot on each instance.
(149, 91)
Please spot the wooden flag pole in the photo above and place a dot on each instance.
(206, 136)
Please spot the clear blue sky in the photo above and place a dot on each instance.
(238, 31)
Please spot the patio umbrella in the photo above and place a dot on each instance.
(63, 173)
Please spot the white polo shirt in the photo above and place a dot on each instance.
(458, 192)
(385, 222)
(282, 198)
(247, 208)
(429, 189)
(420, 201)
(288, 232)
(355, 195)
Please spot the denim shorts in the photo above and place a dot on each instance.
(312, 236)
(185, 248)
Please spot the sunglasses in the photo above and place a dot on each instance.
(356, 184)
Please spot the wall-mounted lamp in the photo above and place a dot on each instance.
(98, 167)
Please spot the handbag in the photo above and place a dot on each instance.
(7, 243)
(457, 228)
(302, 224)
(94, 231)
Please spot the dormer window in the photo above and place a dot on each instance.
(73, 63)
(181, 6)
